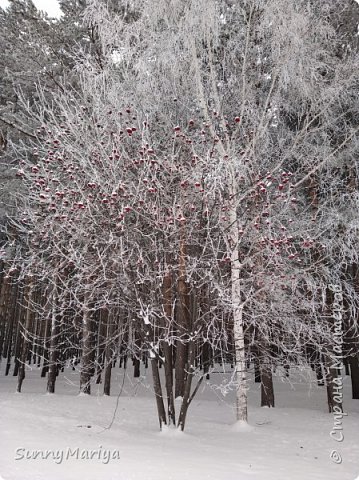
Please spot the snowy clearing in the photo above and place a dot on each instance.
(290, 441)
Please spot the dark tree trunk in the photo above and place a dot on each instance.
(267, 390)
(46, 348)
(206, 358)
(86, 368)
(257, 372)
(181, 353)
(4, 302)
(190, 364)
(137, 368)
(101, 339)
(11, 336)
(183, 324)
(354, 372)
(158, 393)
(167, 349)
(39, 334)
(25, 343)
(167, 352)
(346, 366)
(188, 384)
(53, 356)
(18, 340)
(109, 355)
(107, 376)
(319, 373)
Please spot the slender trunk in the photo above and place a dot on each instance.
(53, 355)
(25, 344)
(167, 348)
(158, 392)
(182, 321)
(34, 330)
(354, 372)
(46, 347)
(109, 355)
(257, 372)
(206, 354)
(237, 309)
(11, 334)
(206, 358)
(107, 376)
(319, 370)
(190, 364)
(40, 350)
(18, 339)
(4, 301)
(93, 343)
(101, 337)
(346, 366)
(85, 375)
(187, 391)
(136, 368)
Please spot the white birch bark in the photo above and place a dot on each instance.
(238, 326)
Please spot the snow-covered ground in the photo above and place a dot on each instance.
(291, 441)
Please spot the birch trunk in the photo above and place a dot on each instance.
(237, 309)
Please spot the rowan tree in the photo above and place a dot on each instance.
(192, 181)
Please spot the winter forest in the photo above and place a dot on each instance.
(179, 240)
